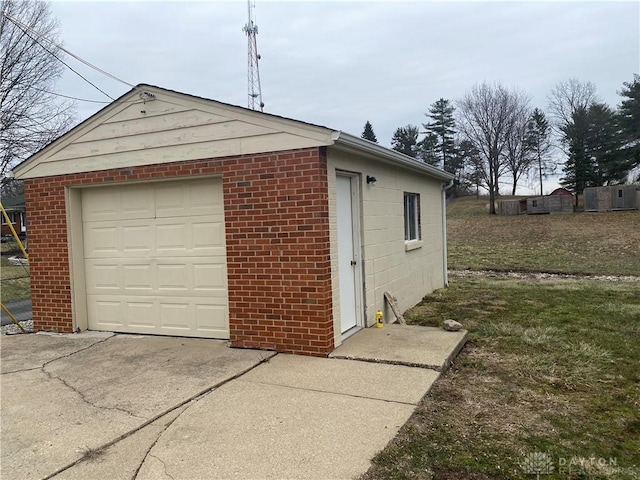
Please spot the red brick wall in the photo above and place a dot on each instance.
(277, 233)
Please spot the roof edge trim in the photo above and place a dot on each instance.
(351, 142)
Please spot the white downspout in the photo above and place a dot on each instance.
(445, 273)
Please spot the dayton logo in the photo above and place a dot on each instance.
(537, 463)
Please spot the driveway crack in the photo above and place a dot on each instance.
(84, 398)
(189, 401)
(163, 464)
(148, 452)
(59, 358)
(21, 370)
(75, 390)
(75, 352)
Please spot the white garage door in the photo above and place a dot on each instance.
(155, 258)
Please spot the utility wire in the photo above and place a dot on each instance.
(68, 96)
(41, 36)
(27, 30)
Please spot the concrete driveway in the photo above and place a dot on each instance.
(98, 405)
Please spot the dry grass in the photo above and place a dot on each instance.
(583, 243)
(15, 283)
(547, 369)
(552, 363)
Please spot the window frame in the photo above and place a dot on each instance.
(12, 218)
(412, 220)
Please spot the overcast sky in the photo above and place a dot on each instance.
(340, 64)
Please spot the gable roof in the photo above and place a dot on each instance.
(561, 191)
(150, 124)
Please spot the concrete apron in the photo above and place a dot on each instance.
(289, 417)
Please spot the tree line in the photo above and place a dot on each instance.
(493, 133)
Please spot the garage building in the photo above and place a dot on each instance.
(170, 214)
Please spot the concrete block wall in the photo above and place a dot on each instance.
(389, 263)
(277, 235)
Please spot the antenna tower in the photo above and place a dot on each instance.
(253, 77)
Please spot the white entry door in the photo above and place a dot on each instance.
(349, 267)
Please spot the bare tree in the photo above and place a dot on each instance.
(486, 118)
(567, 97)
(31, 115)
(518, 157)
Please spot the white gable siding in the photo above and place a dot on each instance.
(169, 128)
(388, 266)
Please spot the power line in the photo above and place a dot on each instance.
(90, 65)
(29, 31)
(68, 96)
(26, 32)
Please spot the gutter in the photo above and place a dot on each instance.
(360, 145)
(445, 265)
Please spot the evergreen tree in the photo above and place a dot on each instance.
(405, 140)
(604, 145)
(629, 121)
(427, 150)
(539, 144)
(579, 169)
(442, 127)
(368, 134)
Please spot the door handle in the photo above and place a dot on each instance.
(353, 262)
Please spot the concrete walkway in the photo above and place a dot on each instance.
(119, 406)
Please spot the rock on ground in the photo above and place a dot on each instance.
(451, 325)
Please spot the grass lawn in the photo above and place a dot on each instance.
(582, 243)
(552, 366)
(14, 279)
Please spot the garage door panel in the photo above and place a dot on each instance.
(207, 277)
(174, 279)
(102, 278)
(109, 313)
(140, 316)
(210, 317)
(171, 200)
(189, 316)
(161, 268)
(118, 203)
(136, 201)
(173, 238)
(136, 238)
(207, 237)
(177, 236)
(138, 277)
(167, 276)
(176, 199)
(175, 316)
(203, 198)
(100, 205)
(100, 240)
